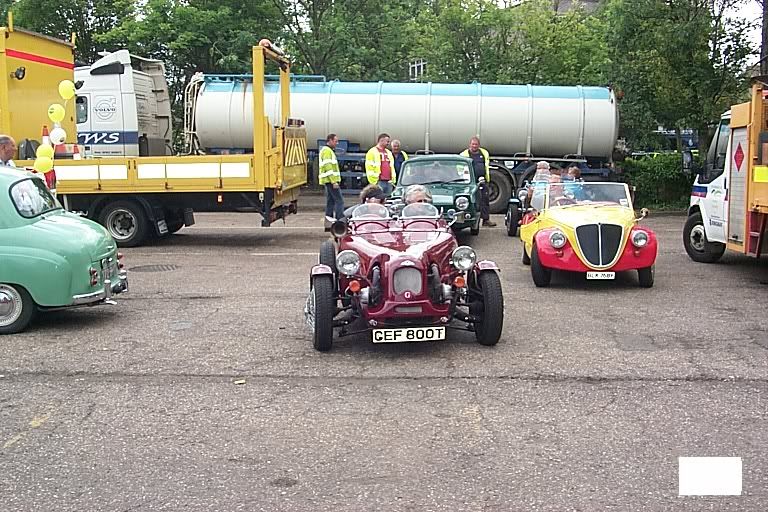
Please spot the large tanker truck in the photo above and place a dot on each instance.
(517, 124)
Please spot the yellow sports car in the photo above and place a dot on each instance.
(585, 227)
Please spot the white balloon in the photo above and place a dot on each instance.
(58, 136)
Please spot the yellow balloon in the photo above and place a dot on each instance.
(66, 89)
(43, 164)
(56, 113)
(44, 150)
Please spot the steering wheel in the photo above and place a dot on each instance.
(563, 200)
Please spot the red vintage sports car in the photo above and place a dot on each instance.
(402, 278)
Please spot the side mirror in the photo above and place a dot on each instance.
(451, 214)
(522, 194)
(687, 161)
(643, 213)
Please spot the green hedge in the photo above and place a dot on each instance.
(659, 180)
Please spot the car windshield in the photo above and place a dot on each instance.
(431, 172)
(420, 210)
(31, 198)
(370, 211)
(576, 192)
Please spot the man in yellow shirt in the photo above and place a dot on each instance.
(380, 165)
(330, 177)
(482, 165)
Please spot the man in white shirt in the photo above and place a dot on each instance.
(7, 150)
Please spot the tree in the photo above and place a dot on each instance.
(85, 18)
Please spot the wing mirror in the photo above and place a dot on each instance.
(451, 214)
(522, 194)
(643, 213)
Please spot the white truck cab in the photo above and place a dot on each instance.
(729, 199)
(123, 107)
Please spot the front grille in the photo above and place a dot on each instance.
(599, 243)
(407, 279)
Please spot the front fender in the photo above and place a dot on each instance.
(319, 270)
(486, 265)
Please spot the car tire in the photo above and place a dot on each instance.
(488, 330)
(322, 307)
(126, 222)
(645, 276)
(541, 274)
(526, 258)
(328, 255)
(475, 229)
(17, 308)
(696, 244)
(512, 219)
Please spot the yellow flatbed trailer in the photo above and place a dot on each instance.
(141, 197)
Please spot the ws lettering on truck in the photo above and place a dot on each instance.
(140, 197)
(729, 199)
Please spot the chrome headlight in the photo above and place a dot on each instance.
(348, 262)
(639, 238)
(462, 202)
(557, 239)
(463, 258)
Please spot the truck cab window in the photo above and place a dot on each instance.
(81, 109)
(717, 152)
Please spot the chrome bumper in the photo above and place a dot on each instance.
(105, 294)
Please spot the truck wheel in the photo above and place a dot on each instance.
(645, 276)
(541, 274)
(16, 308)
(696, 244)
(126, 222)
(512, 219)
(321, 308)
(499, 191)
(488, 329)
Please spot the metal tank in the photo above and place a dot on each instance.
(541, 120)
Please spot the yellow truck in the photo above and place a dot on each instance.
(137, 198)
(729, 199)
(31, 67)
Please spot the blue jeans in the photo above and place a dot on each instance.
(334, 202)
(385, 186)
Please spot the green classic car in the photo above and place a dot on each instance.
(49, 258)
(452, 182)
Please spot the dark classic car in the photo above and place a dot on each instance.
(402, 278)
(452, 182)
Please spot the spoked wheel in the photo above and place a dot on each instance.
(321, 307)
(490, 310)
(16, 309)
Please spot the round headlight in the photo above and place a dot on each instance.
(348, 262)
(639, 238)
(462, 202)
(463, 258)
(557, 239)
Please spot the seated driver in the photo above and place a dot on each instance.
(417, 194)
(369, 194)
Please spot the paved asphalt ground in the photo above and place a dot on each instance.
(200, 390)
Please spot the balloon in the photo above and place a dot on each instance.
(43, 164)
(58, 136)
(44, 150)
(66, 89)
(56, 113)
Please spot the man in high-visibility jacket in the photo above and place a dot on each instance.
(330, 177)
(482, 165)
(380, 165)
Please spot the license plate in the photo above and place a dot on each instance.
(601, 275)
(408, 334)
